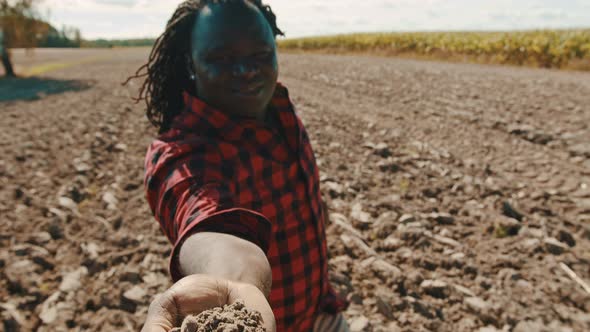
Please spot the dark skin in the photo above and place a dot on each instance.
(235, 65)
(234, 59)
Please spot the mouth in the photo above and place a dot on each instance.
(250, 90)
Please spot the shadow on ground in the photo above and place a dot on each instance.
(33, 88)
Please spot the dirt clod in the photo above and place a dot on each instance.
(231, 318)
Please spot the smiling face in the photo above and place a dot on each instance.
(234, 58)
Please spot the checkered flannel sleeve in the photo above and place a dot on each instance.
(187, 194)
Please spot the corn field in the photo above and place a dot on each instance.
(543, 48)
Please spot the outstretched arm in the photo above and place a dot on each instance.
(219, 269)
(226, 256)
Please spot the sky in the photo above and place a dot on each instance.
(114, 19)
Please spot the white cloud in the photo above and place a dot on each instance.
(147, 18)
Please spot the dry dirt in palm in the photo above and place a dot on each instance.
(231, 318)
(457, 193)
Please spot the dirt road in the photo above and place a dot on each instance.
(457, 193)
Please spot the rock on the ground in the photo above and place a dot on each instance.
(407, 218)
(359, 324)
(110, 199)
(481, 308)
(384, 308)
(511, 212)
(359, 215)
(391, 243)
(68, 203)
(72, 281)
(506, 226)
(555, 247)
(442, 218)
(435, 288)
(566, 237)
(136, 294)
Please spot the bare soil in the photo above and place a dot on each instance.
(231, 318)
(457, 193)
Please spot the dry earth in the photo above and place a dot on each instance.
(231, 318)
(456, 192)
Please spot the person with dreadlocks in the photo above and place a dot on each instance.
(231, 177)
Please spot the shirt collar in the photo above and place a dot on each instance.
(200, 117)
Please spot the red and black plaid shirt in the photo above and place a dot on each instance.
(211, 172)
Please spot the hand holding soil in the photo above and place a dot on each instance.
(231, 318)
(195, 294)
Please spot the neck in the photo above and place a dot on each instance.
(264, 117)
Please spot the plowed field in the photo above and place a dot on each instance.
(459, 195)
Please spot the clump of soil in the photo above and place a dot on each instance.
(231, 318)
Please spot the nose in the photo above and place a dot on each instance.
(245, 69)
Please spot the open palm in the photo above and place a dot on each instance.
(197, 293)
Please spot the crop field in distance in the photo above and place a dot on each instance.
(565, 49)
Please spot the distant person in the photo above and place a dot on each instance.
(8, 71)
(232, 177)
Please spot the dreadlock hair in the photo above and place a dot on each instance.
(165, 72)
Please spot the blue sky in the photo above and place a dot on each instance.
(147, 18)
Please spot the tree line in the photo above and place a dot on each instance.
(21, 26)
